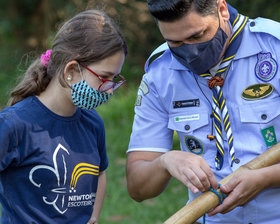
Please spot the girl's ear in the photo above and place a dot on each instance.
(70, 70)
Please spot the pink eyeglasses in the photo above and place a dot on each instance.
(107, 84)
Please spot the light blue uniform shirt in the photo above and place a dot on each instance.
(169, 99)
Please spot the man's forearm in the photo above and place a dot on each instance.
(146, 178)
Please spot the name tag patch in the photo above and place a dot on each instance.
(192, 117)
(186, 103)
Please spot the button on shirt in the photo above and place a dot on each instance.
(167, 82)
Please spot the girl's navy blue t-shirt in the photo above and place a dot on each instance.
(49, 164)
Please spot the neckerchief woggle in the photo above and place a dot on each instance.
(219, 108)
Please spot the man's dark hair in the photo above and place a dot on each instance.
(171, 10)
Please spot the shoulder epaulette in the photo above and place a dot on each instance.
(265, 26)
(156, 53)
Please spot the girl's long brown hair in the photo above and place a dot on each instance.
(88, 37)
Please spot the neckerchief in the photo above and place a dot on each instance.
(219, 108)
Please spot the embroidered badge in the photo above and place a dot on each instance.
(144, 87)
(266, 67)
(257, 91)
(194, 145)
(186, 103)
(269, 136)
(192, 117)
(138, 100)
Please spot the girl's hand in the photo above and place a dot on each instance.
(92, 220)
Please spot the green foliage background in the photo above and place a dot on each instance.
(26, 30)
(118, 206)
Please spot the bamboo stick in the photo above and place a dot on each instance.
(209, 200)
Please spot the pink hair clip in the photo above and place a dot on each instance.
(45, 58)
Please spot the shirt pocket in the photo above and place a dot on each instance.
(261, 113)
(256, 119)
(190, 123)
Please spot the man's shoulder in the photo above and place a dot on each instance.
(263, 25)
(160, 54)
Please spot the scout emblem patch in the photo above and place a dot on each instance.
(194, 145)
(269, 136)
(257, 91)
(266, 67)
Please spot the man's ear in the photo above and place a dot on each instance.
(70, 69)
(223, 10)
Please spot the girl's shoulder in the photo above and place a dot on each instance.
(92, 117)
(15, 115)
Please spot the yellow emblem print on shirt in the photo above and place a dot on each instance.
(55, 194)
(81, 169)
(257, 91)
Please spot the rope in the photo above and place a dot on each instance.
(221, 197)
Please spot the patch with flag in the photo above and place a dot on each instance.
(269, 136)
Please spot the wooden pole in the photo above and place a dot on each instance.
(209, 200)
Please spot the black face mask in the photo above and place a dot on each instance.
(199, 58)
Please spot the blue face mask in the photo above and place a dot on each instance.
(199, 58)
(86, 97)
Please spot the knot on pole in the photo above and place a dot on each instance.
(221, 195)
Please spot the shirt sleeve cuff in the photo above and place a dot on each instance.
(148, 150)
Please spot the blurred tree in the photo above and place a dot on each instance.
(29, 26)
(137, 26)
(258, 8)
(25, 26)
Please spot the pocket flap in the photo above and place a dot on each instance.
(261, 113)
(188, 121)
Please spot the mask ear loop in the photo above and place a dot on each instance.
(81, 74)
(219, 27)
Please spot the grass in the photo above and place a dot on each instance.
(118, 206)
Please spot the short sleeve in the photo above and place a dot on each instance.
(104, 162)
(8, 153)
(150, 128)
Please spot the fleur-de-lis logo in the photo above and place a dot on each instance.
(60, 175)
(266, 67)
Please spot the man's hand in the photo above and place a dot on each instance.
(241, 188)
(190, 169)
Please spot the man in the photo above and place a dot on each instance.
(217, 85)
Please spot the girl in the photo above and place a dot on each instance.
(52, 142)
